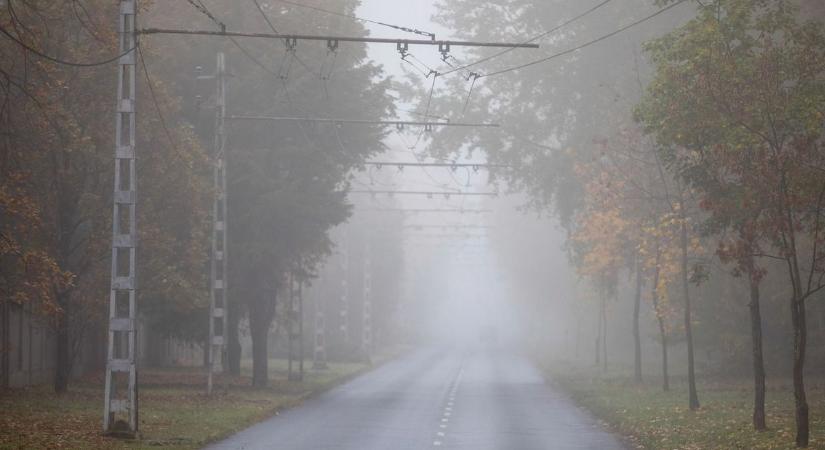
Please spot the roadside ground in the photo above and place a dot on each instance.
(175, 413)
(650, 418)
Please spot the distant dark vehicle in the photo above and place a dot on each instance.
(488, 335)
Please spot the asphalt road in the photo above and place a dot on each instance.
(474, 399)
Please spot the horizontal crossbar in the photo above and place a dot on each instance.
(359, 122)
(309, 37)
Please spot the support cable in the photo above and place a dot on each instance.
(586, 44)
(475, 78)
(60, 61)
(265, 16)
(198, 5)
(275, 30)
(533, 39)
(155, 102)
(356, 18)
(426, 112)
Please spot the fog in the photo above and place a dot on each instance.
(373, 224)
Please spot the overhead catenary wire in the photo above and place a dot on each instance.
(61, 61)
(275, 30)
(533, 39)
(586, 44)
(426, 112)
(360, 19)
(201, 7)
(265, 16)
(156, 104)
(198, 5)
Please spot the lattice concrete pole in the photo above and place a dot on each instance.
(290, 325)
(217, 298)
(344, 300)
(300, 314)
(366, 310)
(121, 359)
(319, 354)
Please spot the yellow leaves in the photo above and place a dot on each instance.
(601, 238)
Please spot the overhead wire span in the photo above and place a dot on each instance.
(198, 5)
(429, 70)
(201, 7)
(475, 78)
(61, 61)
(155, 102)
(266, 17)
(360, 19)
(426, 112)
(275, 30)
(586, 44)
(533, 39)
(429, 116)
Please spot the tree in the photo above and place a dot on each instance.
(544, 109)
(287, 182)
(630, 220)
(67, 110)
(735, 98)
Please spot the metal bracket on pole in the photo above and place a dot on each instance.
(403, 48)
(120, 407)
(444, 49)
(218, 307)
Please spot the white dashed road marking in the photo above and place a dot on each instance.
(448, 408)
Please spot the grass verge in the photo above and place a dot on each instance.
(652, 419)
(175, 412)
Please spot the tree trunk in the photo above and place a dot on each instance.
(233, 343)
(63, 348)
(798, 320)
(206, 355)
(661, 321)
(261, 313)
(637, 300)
(259, 332)
(799, 345)
(758, 361)
(598, 338)
(5, 344)
(604, 332)
(578, 335)
(693, 396)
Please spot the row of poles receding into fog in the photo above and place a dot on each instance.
(121, 405)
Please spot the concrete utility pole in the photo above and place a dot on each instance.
(294, 329)
(301, 353)
(319, 353)
(344, 301)
(121, 391)
(366, 310)
(218, 307)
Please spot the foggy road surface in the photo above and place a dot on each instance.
(470, 400)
